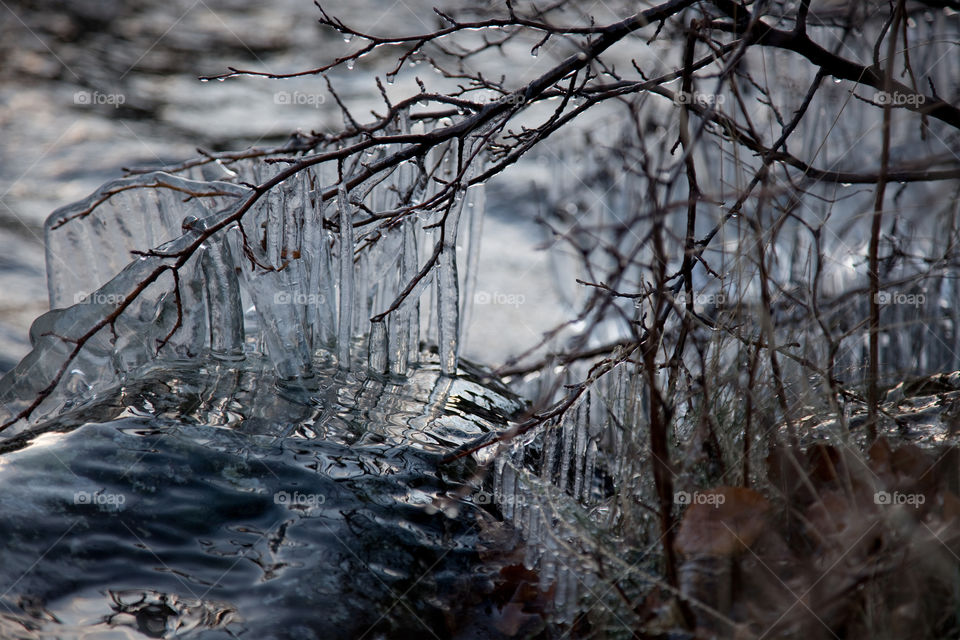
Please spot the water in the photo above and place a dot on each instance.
(573, 490)
(182, 498)
(209, 502)
(234, 476)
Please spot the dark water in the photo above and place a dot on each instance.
(209, 502)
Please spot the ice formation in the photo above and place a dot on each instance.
(287, 278)
(580, 486)
(570, 485)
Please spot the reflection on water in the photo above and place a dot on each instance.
(209, 502)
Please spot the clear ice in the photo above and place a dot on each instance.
(311, 270)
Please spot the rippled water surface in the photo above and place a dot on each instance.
(208, 502)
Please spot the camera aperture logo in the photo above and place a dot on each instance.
(297, 499)
(102, 500)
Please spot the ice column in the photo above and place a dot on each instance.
(346, 278)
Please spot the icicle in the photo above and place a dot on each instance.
(377, 347)
(345, 326)
(448, 315)
(223, 300)
(361, 289)
(588, 469)
(401, 339)
(519, 506)
(413, 342)
(508, 483)
(532, 536)
(398, 334)
(475, 211)
(581, 446)
(573, 580)
(549, 457)
(567, 430)
(321, 315)
(274, 282)
(190, 310)
(548, 568)
(560, 597)
(594, 419)
(429, 300)
(295, 273)
(448, 289)
(498, 480)
(272, 227)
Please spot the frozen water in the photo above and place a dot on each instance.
(164, 268)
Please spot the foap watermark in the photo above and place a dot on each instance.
(699, 299)
(102, 500)
(899, 99)
(97, 297)
(701, 99)
(515, 99)
(482, 498)
(702, 299)
(299, 98)
(712, 499)
(304, 299)
(887, 498)
(297, 499)
(502, 299)
(892, 297)
(97, 98)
